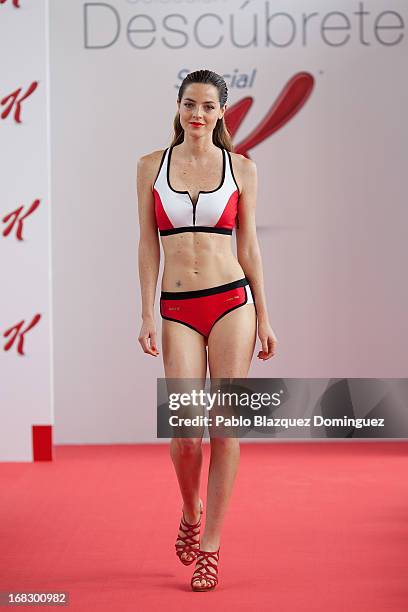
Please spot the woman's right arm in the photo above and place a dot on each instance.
(149, 254)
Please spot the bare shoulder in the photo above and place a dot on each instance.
(150, 158)
(244, 170)
(148, 165)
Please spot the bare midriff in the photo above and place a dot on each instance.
(198, 260)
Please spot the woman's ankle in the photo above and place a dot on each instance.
(192, 513)
(209, 545)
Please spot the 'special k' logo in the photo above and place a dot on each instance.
(291, 99)
(12, 100)
(17, 220)
(15, 3)
(16, 332)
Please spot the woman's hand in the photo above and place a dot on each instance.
(147, 337)
(268, 340)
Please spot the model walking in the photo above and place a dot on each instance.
(194, 193)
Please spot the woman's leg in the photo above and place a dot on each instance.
(231, 345)
(185, 356)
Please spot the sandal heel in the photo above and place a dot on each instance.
(191, 537)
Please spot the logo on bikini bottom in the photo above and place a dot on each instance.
(174, 308)
(234, 297)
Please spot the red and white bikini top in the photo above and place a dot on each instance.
(215, 211)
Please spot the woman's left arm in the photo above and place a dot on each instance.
(249, 255)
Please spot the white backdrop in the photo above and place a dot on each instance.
(26, 409)
(331, 210)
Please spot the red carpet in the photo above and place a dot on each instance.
(312, 526)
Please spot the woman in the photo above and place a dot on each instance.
(194, 192)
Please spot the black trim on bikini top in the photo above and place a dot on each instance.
(160, 167)
(230, 165)
(232, 172)
(196, 228)
(184, 295)
(201, 190)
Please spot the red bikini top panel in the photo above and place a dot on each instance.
(215, 211)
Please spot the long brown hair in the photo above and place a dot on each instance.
(221, 135)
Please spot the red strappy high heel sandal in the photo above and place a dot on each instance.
(202, 573)
(185, 543)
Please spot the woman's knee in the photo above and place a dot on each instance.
(186, 446)
(224, 444)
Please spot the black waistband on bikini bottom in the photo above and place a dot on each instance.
(183, 295)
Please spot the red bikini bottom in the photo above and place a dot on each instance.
(201, 309)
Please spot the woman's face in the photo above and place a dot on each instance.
(200, 104)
